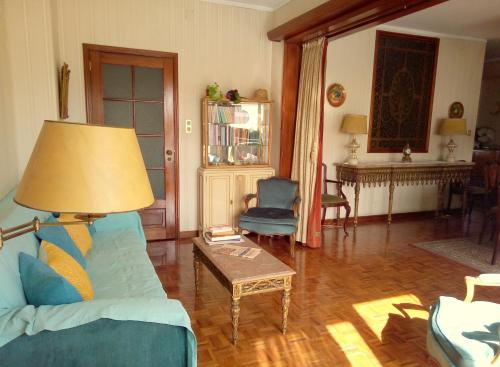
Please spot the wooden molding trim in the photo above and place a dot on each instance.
(395, 216)
(336, 17)
(188, 234)
(289, 97)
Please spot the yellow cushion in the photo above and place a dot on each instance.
(79, 233)
(67, 267)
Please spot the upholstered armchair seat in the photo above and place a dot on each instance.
(465, 333)
(276, 209)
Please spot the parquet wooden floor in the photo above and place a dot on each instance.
(356, 301)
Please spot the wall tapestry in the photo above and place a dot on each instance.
(402, 92)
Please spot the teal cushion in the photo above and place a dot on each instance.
(59, 237)
(276, 193)
(42, 285)
(466, 332)
(270, 216)
(268, 229)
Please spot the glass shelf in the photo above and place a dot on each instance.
(236, 134)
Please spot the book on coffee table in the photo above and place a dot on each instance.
(238, 251)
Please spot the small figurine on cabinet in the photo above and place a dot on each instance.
(406, 153)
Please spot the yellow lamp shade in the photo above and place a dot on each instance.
(81, 168)
(450, 126)
(354, 124)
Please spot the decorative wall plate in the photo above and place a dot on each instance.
(336, 94)
(456, 110)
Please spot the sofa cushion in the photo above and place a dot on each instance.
(119, 266)
(79, 233)
(467, 332)
(42, 285)
(60, 237)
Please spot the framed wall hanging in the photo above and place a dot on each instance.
(456, 110)
(402, 92)
(336, 94)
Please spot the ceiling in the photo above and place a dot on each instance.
(478, 19)
(465, 18)
(265, 5)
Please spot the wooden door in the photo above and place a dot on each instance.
(138, 88)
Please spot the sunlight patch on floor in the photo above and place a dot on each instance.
(352, 344)
(377, 313)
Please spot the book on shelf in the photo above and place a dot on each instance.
(238, 251)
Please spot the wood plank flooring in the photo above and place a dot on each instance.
(356, 301)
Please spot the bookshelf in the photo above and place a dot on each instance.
(236, 134)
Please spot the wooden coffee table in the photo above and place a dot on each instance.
(243, 277)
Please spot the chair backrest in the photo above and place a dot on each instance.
(276, 192)
(491, 175)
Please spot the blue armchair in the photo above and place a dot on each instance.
(276, 212)
(465, 333)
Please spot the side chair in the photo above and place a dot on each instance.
(276, 210)
(334, 200)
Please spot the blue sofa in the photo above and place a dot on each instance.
(130, 321)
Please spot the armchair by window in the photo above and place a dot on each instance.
(465, 333)
(276, 212)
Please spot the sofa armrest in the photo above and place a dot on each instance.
(488, 280)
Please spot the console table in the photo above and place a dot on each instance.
(399, 173)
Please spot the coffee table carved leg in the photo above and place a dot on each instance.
(286, 303)
(235, 310)
(196, 265)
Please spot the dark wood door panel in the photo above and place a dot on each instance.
(116, 87)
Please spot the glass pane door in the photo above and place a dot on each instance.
(133, 97)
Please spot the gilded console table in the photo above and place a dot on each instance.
(399, 173)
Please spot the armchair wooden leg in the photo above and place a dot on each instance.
(323, 216)
(347, 212)
(292, 245)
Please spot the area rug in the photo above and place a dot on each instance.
(465, 251)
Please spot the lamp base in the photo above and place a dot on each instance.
(353, 146)
(352, 161)
(451, 148)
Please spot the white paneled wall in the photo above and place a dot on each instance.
(214, 43)
(458, 78)
(29, 88)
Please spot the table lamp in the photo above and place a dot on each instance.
(89, 170)
(353, 124)
(450, 127)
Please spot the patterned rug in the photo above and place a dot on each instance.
(465, 251)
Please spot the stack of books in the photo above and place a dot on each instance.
(221, 234)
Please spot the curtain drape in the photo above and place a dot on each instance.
(307, 140)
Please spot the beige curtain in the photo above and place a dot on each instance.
(307, 125)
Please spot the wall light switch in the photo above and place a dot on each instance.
(189, 127)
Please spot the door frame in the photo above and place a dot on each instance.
(87, 66)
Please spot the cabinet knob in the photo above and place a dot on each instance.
(169, 152)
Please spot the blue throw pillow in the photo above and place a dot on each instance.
(42, 285)
(59, 237)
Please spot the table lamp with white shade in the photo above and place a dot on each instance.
(88, 170)
(354, 124)
(450, 127)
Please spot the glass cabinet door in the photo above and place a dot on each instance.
(237, 134)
